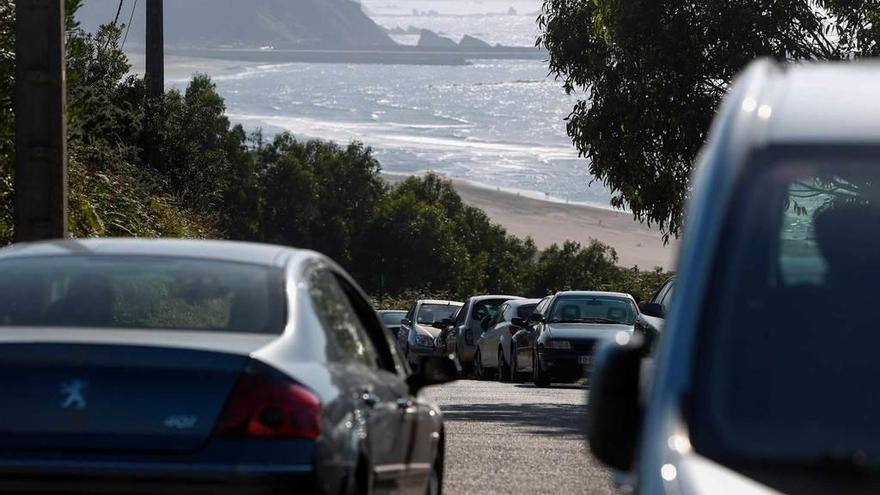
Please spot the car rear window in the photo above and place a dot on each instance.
(140, 293)
(393, 318)
(526, 310)
(486, 308)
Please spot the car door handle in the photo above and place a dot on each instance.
(404, 404)
(370, 399)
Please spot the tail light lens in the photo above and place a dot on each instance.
(513, 329)
(266, 404)
(469, 337)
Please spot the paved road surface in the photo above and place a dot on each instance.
(516, 439)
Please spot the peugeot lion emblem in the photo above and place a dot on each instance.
(73, 392)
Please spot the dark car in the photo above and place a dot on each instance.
(654, 311)
(765, 372)
(565, 328)
(135, 366)
(392, 318)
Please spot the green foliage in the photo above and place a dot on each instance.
(413, 240)
(653, 74)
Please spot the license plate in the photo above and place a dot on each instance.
(585, 359)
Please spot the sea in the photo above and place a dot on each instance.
(495, 123)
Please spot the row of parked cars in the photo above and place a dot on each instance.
(516, 339)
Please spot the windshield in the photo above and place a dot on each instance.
(789, 341)
(432, 313)
(593, 309)
(392, 318)
(140, 293)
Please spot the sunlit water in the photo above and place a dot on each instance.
(496, 123)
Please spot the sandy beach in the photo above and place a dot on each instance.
(549, 222)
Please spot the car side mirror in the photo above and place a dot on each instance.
(406, 322)
(518, 322)
(433, 370)
(446, 322)
(652, 309)
(437, 324)
(615, 415)
(536, 318)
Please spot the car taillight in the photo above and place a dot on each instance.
(469, 337)
(264, 404)
(513, 329)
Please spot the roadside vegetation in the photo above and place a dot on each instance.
(218, 181)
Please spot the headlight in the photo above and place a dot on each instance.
(558, 344)
(424, 340)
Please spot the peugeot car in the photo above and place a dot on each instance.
(196, 367)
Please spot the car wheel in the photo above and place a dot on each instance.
(515, 375)
(539, 377)
(503, 368)
(365, 480)
(479, 374)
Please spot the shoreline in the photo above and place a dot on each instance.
(549, 222)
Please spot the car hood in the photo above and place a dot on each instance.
(428, 330)
(585, 331)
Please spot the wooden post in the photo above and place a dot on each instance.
(155, 73)
(40, 121)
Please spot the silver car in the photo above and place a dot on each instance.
(764, 377)
(159, 366)
(461, 341)
(495, 352)
(421, 326)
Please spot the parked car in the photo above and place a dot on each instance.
(493, 347)
(461, 341)
(764, 380)
(421, 326)
(446, 326)
(208, 366)
(565, 328)
(392, 318)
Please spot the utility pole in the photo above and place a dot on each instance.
(155, 67)
(40, 121)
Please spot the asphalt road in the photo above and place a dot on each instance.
(511, 439)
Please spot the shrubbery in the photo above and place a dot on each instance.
(417, 238)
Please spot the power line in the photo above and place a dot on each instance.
(128, 26)
(118, 11)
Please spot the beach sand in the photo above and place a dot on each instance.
(549, 222)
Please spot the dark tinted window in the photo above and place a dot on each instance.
(430, 313)
(461, 314)
(593, 309)
(486, 308)
(141, 293)
(525, 310)
(789, 341)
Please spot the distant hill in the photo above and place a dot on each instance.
(307, 24)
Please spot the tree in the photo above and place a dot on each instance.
(653, 73)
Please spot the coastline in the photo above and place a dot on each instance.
(546, 220)
(551, 222)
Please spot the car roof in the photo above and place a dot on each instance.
(523, 302)
(383, 311)
(438, 302)
(771, 104)
(477, 299)
(241, 252)
(593, 293)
